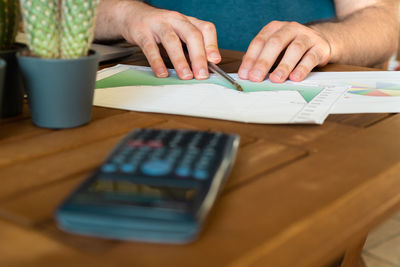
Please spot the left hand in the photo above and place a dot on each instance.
(303, 48)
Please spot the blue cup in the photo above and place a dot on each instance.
(60, 91)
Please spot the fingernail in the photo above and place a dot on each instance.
(186, 73)
(257, 74)
(161, 72)
(203, 73)
(278, 74)
(214, 56)
(296, 75)
(244, 73)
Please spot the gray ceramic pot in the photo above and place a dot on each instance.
(13, 96)
(2, 75)
(60, 91)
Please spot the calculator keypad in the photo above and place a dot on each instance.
(180, 154)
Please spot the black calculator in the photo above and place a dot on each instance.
(157, 185)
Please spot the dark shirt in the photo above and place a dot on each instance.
(239, 21)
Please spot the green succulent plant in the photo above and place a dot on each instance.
(59, 28)
(9, 20)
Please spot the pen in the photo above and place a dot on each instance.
(217, 70)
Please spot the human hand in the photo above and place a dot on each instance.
(147, 26)
(303, 48)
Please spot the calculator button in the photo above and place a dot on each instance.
(192, 151)
(174, 153)
(128, 168)
(172, 157)
(155, 144)
(183, 171)
(156, 167)
(190, 154)
(135, 143)
(109, 167)
(118, 159)
(202, 165)
(136, 159)
(177, 139)
(141, 152)
(195, 140)
(124, 152)
(209, 152)
(186, 161)
(200, 174)
(161, 135)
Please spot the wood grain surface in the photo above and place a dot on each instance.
(298, 195)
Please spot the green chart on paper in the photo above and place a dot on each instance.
(134, 77)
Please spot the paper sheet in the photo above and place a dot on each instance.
(136, 88)
(369, 91)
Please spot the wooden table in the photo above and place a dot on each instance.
(298, 195)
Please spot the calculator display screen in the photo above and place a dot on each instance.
(133, 193)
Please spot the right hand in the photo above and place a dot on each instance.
(147, 26)
(303, 48)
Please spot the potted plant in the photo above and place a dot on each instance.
(59, 70)
(12, 95)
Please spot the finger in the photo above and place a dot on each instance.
(150, 49)
(272, 49)
(250, 58)
(256, 46)
(310, 60)
(210, 38)
(294, 52)
(195, 45)
(173, 46)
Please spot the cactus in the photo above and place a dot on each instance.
(59, 28)
(77, 27)
(41, 27)
(9, 20)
